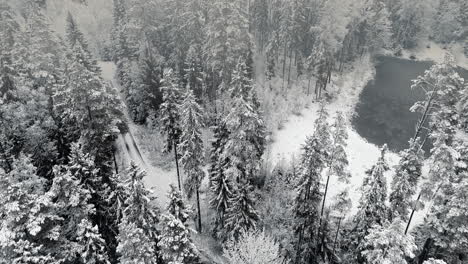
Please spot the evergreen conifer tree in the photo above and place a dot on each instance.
(221, 186)
(372, 208)
(191, 146)
(241, 215)
(307, 201)
(405, 181)
(175, 243)
(170, 117)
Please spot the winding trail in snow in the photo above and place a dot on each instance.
(128, 149)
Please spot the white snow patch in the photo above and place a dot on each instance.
(436, 53)
(107, 70)
(361, 154)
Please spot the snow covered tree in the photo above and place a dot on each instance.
(176, 205)
(76, 37)
(341, 206)
(175, 243)
(375, 27)
(254, 247)
(260, 21)
(24, 213)
(409, 20)
(443, 88)
(139, 212)
(405, 181)
(446, 188)
(191, 146)
(241, 215)
(388, 244)
(169, 115)
(307, 201)
(227, 39)
(72, 204)
(94, 251)
(221, 186)
(194, 75)
(372, 208)
(134, 245)
(446, 25)
(338, 160)
(246, 142)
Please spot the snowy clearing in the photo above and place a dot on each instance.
(361, 154)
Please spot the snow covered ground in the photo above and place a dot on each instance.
(436, 53)
(127, 147)
(361, 154)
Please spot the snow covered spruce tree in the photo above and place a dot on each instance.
(191, 147)
(337, 162)
(443, 229)
(225, 44)
(85, 101)
(243, 150)
(405, 182)
(170, 116)
(53, 226)
(176, 205)
(138, 234)
(30, 73)
(221, 186)
(340, 207)
(315, 155)
(372, 208)
(442, 109)
(24, 213)
(254, 247)
(388, 244)
(246, 140)
(72, 202)
(123, 50)
(194, 75)
(241, 215)
(134, 245)
(176, 244)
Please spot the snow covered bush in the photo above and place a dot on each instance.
(388, 244)
(254, 248)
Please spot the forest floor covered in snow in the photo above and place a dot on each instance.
(287, 142)
(143, 146)
(289, 126)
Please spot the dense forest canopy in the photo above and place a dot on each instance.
(208, 81)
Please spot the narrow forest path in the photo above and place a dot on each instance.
(128, 149)
(158, 179)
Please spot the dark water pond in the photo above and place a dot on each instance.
(383, 114)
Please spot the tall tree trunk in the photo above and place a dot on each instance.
(115, 163)
(289, 67)
(425, 115)
(425, 251)
(199, 211)
(336, 235)
(177, 164)
(323, 201)
(284, 62)
(412, 214)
